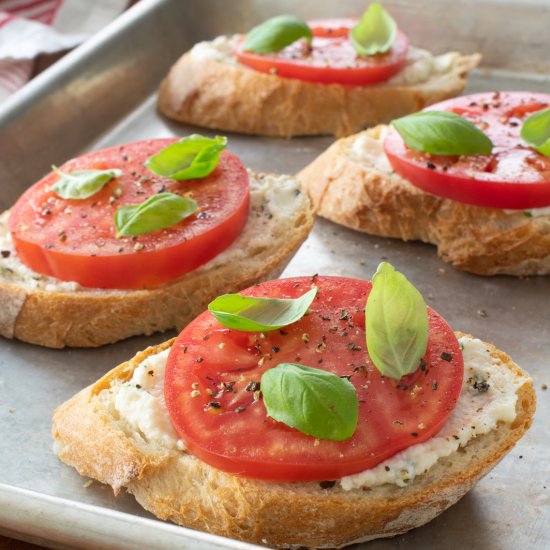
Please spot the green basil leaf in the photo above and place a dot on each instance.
(375, 33)
(191, 157)
(396, 323)
(251, 314)
(442, 133)
(82, 183)
(315, 402)
(536, 131)
(157, 212)
(276, 33)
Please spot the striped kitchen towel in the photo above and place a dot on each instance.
(32, 27)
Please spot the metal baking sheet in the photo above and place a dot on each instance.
(103, 94)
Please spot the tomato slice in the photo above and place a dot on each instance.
(332, 28)
(74, 240)
(331, 58)
(514, 176)
(226, 425)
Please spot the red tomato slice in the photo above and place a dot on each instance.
(514, 176)
(332, 28)
(227, 427)
(331, 58)
(74, 240)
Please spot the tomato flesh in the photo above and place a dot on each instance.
(75, 240)
(212, 372)
(514, 176)
(330, 59)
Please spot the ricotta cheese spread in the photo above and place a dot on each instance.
(140, 401)
(274, 203)
(420, 65)
(488, 396)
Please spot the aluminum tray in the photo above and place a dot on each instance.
(103, 94)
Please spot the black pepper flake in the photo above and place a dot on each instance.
(151, 372)
(5, 253)
(481, 386)
(184, 349)
(138, 386)
(387, 468)
(200, 359)
(434, 385)
(344, 315)
(422, 365)
(360, 368)
(282, 332)
(275, 349)
(124, 157)
(446, 356)
(430, 165)
(229, 387)
(414, 434)
(215, 405)
(327, 484)
(354, 347)
(252, 386)
(239, 409)
(202, 216)
(514, 123)
(48, 246)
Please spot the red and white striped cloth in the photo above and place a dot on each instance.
(32, 27)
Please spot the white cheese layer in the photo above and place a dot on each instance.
(421, 65)
(479, 409)
(274, 202)
(141, 403)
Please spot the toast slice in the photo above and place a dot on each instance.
(48, 312)
(352, 183)
(208, 87)
(92, 435)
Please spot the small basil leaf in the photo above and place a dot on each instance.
(536, 131)
(315, 402)
(191, 157)
(442, 133)
(251, 314)
(375, 33)
(276, 33)
(157, 212)
(82, 183)
(396, 323)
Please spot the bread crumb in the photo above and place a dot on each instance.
(481, 312)
(11, 410)
(543, 387)
(88, 483)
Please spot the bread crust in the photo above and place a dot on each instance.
(485, 241)
(232, 97)
(178, 487)
(93, 318)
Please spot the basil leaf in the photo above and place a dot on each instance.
(315, 402)
(157, 212)
(375, 33)
(251, 314)
(536, 131)
(191, 157)
(442, 133)
(396, 323)
(276, 33)
(82, 183)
